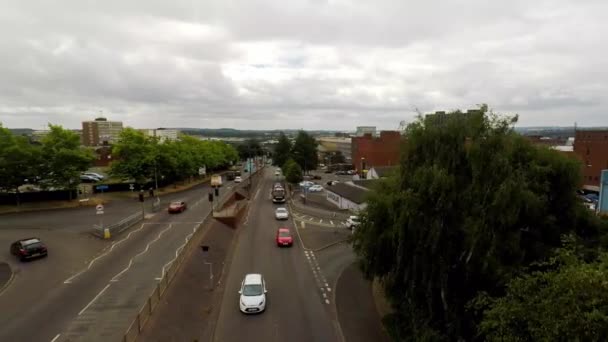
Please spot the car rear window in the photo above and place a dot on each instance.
(34, 245)
(284, 233)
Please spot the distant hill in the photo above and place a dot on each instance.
(21, 131)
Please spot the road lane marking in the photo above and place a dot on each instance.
(331, 222)
(142, 252)
(56, 337)
(69, 280)
(320, 220)
(327, 301)
(188, 237)
(256, 194)
(94, 299)
(303, 224)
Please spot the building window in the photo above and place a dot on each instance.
(588, 151)
(596, 178)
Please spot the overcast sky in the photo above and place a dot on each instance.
(312, 64)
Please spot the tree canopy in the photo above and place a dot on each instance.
(250, 148)
(282, 151)
(304, 151)
(292, 171)
(143, 158)
(473, 204)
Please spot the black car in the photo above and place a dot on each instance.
(28, 248)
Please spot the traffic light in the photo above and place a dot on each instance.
(217, 192)
(141, 197)
(210, 197)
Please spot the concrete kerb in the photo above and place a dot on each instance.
(10, 279)
(331, 245)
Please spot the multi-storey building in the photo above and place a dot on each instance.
(591, 147)
(100, 132)
(369, 151)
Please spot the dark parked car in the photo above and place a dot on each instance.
(177, 207)
(28, 248)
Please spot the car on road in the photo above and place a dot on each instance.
(352, 222)
(284, 237)
(252, 294)
(238, 179)
(177, 207)
(281, 214)
(315, 188)
(306, 184)
(94, 174)
(89, 179)
(277, 173)
(29, 248)
(332, 182)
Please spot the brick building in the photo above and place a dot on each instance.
(591, 146)
(369, 151)
(100, 132)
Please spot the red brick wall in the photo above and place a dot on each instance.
(380, 151)
(591, 147)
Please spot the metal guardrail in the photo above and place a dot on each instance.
(119, 226)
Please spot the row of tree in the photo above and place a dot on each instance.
(298, 158)
(481, 236)
(143, 158)
(54, 163)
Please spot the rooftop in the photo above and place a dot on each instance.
(366, 183)
(384, 171)
(350, 192)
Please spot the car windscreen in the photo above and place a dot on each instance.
(176, 204)
(35, 245)
(252, 290)
(284, 233)
(281, 211)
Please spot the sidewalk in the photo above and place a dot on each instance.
(357, 312)
(6, 275)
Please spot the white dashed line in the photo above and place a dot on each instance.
(328, 289)
(320, 220)
(94, 299)
(327, 301)
(56, 337)
(69, 280)
(303, 224)
(331, 222)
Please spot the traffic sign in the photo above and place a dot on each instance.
(99, 209)
(102, 187)
(131, 186)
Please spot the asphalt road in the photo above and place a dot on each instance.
(296, 309)
(98, 301)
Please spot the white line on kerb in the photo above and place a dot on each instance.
(56, 337)
(94, 299)
(69, 280)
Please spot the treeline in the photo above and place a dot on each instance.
(54, 163)
(481, 237)
(296, 159)
(143, 158)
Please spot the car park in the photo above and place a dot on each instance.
(315, 188)
(281, 214)
(177, 207)
(252, 294)
(238, 179)
(284, 237)
(29, 248)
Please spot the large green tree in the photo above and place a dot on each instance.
(563, 299)
(64, 158)
(472, 204)
(304, 151)
(134, 155)
(292, 171)
(250, 148)
(282, 151)
(19, 162)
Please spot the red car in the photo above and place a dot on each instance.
(284, 237)
(177, 207)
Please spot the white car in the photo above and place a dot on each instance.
(315, 188)
(281, 214)
(238, 179)
(306, 184)
(253, 294)
(94, 174)
(352, 222)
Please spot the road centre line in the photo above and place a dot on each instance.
(94, 299)
(188, 237)
(69, 280)
(141, 253)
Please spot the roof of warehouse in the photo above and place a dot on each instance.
(350, 192)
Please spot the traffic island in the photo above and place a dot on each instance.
(319, 238)
(6, 275)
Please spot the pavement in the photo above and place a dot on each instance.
(6, 275)
(297, 309)
(357, 311)
(91, 290)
